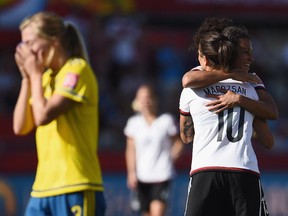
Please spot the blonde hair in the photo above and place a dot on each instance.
(49, 25)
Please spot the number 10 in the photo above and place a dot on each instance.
(229, 125)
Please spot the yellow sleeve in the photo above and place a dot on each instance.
(71, 81)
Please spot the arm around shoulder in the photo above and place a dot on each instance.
(269, 104)
(265, 107)
(200, 79)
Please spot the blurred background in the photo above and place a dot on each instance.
(129, 42)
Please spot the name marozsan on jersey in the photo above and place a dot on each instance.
(222, 141)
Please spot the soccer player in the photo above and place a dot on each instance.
(265, 107)
(153, 145)
(225, 178)
(59, 97)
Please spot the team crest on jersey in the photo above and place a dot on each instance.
(71, 80)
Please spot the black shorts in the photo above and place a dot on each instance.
(148, 192)
(222, 193)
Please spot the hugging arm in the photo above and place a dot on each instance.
(198, 79)
(264, 108)
(263, 133)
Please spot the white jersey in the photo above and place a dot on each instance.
(222, 141)
(153, 146)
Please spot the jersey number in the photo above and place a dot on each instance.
(76, 210)
(229, 125)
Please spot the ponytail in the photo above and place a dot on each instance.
(218, 49)
(50, 25)
(73, 42)
(226, 51)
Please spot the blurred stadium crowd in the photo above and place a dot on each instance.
(134, 41)
(128, 47)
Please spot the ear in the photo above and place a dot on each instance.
(200, 54)
(206, 61)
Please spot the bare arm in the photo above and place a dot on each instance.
(271, 111)
(46, 110)
(32, 66)
(177, 147)
(263, 133)
(200, 79)
(130, 155)
(23, 121)
(186, 129)
(264, 108)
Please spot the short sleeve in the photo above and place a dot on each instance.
(173, 129)
(185, 98)
(72, 82)
(258, 86)
(128, 129)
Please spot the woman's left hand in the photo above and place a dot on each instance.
(32, 62)
(225, 101)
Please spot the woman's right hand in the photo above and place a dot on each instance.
(132, 181)
(20, 62)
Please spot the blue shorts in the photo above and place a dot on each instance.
(83, 203)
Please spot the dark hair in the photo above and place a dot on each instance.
(210, 24)
(218, 50)
(235, 33)
(153, 94)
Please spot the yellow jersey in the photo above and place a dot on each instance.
(67, 146)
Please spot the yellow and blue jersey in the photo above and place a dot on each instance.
(67, 146)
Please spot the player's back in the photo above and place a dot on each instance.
(221, 141)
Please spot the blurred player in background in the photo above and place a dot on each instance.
(153, 145)
(59, 97)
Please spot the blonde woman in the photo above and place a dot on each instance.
(59, 98)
